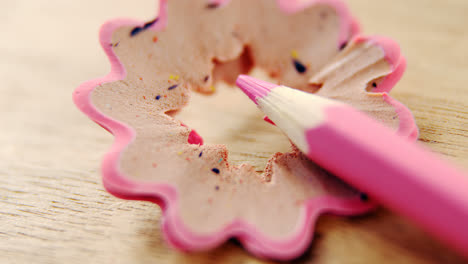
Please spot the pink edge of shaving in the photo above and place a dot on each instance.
(256, 242)
(166, 195)
(355, 27)
(407, 126)
(393, 56)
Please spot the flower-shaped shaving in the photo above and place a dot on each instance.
(310, 45)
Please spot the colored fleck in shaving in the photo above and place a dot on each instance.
(173, 87)
(174, 77)
(215, 170)
(343, 46)
(364, 197)
(201, 153)
(135, 31)
(294, 54)
(212, 5)
(300, 68)
(157, 97)
(220, 160)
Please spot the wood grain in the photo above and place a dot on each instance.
(53, 208)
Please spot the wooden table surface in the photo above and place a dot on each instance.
(53, 208)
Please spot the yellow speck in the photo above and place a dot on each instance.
(179, 153)
(174, 77)
(212, 88)
(294, 54)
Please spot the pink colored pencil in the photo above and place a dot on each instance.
(400, 174)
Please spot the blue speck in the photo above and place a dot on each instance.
(300, 68)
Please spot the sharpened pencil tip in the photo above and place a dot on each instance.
(254, 88)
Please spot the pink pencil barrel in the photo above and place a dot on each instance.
(400, 174)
